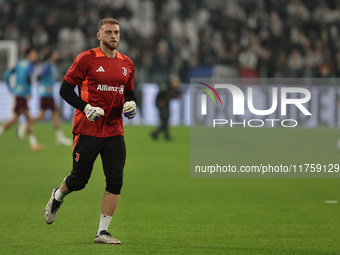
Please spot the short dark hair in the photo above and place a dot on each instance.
(107, 20)
(28, 51)
(49, 53)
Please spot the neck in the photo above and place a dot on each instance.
(107, 52)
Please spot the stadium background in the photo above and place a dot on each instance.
(192, 39)
(250, 38)
(163, 211)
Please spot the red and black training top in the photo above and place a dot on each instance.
(102, 82)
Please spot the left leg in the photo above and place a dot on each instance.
(31, 137)
(109, 203)
(113, 159)
(11, 122)
(22, 127)
(40, 115)
(61, 139)
(20, 106)
(55, 115)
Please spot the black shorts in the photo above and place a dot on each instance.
(47, 103)
(85, 151)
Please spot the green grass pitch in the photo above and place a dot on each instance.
(162, 210)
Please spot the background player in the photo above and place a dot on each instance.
(22, 91)
(47, 78)
(105, 79)
(162, 102)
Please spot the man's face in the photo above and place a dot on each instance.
(54, 56)
(109, 35)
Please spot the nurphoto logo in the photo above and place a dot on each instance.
(240, 101)
(204, 97)
(262, 127)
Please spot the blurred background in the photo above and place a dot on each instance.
(192, 38)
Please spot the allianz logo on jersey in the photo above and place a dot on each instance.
(103, 87)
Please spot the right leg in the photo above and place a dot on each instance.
(11, 122)
(24, 126)
(40, 116)
(63, 189)
(56, 119)
(61, 139)
(164, 120)
(165, 125)
(20, 107)
(162, 115)
(42, 110)
(113, 159)
(85, 152)
(31, 137)
(20, 104)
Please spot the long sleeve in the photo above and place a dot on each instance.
(67, 93)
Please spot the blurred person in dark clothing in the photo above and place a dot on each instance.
(337, 64)
(326, 67)
(162, 102)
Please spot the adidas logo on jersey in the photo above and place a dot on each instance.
(100, 69)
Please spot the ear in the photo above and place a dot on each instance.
(98, 36)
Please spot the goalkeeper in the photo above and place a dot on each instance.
(105, 80)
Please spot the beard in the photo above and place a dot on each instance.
(110, 46)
